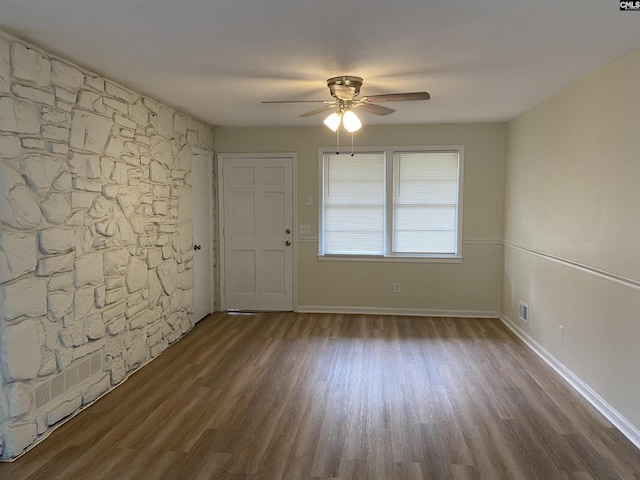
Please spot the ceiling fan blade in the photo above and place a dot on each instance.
(375, 109)
(317, 110)
(296, 101)
(397, 97)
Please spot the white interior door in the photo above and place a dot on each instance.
(201, 191)
(258, 233)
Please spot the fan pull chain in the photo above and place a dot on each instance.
(338, 141)
(352, 144)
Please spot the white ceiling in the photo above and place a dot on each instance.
(482, 60)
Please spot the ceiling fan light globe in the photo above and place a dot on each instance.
(333, 121)
(351, 122)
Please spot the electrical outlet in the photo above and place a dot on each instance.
(561, 327)
(396, 288)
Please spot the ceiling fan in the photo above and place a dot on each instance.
(345, 90)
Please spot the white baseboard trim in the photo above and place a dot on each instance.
(627, 428)
(413, 312)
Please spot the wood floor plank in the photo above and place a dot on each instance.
(273, 396)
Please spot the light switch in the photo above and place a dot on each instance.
(305, 229)
(307, 200)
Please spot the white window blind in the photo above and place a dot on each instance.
(425, 202)
(354, 204)
(399, 203)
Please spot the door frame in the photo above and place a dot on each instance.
(221, 220)
(210, 208)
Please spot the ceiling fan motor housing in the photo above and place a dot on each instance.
(345, 87)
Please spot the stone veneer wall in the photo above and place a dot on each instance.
(95, 242)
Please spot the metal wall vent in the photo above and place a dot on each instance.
(76, 374)
(523, 311)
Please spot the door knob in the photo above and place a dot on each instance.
(287, 243)
(197, 247)
(287, 231)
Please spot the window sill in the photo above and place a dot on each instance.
(390, 259)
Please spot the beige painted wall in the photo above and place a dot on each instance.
(571, 174)
(472, 286)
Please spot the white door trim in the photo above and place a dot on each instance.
(212, 288)
(221, 220)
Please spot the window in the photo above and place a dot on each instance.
(392, 203)
(354, 204)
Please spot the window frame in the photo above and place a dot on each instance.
(389, 256)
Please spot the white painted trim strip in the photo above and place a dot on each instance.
(413, 312)
(610, 413)
(390, 259)
(488, 241)
(308, 239)
(625, 282)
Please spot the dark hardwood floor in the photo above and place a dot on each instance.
(308, 396)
